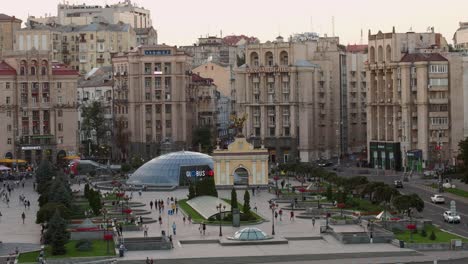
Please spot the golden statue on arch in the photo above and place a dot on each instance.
(238, 123)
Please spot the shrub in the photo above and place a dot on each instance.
(432, 236)
(84, 245)
(423, 232)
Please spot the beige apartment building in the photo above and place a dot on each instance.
(151, 92)
(356, 119)
(80, 47)
(8, 26)
(38, 108)
(222, 76)
(291, 92)
(206, 96)
(409, 112)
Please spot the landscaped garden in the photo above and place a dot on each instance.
(426, 236)
(456, 191)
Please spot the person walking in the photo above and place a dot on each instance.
(174, 228)
(183, 219)
(145, 231)
(281, 214)
(147, 260)
(160, 221)
(200, 228)
(313, 221)
(151, 205)
(204, 228)
(23, 216)
(291, 216)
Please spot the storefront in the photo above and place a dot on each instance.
(385, 155)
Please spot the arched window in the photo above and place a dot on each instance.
(269, 58)
(284, 59)
(43, 70)
(22, 70)
(372, 55)
(254, 59)
(388, 56)
(380, 54)
(33, 70)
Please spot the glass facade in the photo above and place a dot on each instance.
(250, 233)
(166, 170)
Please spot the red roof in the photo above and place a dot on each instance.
(4, 17)
(423, 57)
(356, 48)
(6, 69)
(198, 79)
(62, 69)
(232, 40)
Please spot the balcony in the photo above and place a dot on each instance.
(100, 60)
(438, 88)
(100, 40)
(438, 100)
(255, 80)
(83, 60)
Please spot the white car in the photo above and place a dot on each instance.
(437, 198)
(451, 217)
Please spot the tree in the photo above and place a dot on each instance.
(86, 190)
(203, 136)
(44, 174)
(122, 136)
(57, 235)
(329, 193)
(206, 186)
(463, 149)
(234, 203)
(432, 236)
(94, 198)
(59, 193)
(246, 208)
(192, 193)
(93, 120)
(404, 203)
(47, 211)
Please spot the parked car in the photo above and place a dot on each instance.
(451, 217)
(431, 173)
(437, 198)
(398, 184)
(325, 164)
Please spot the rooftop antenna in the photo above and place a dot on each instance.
(362, 37)
(333, 26)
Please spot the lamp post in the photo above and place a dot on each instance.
(273, 208)
(221, 208)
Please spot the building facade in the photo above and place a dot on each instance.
(221, 76)
(460, 38)
(39, 108)
(8, 26)
(96, 86)
(151, 92)
(81, 47)
(291, 92)
(408, 112)
(206, 98)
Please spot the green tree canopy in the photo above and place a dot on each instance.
(234, 203)
(57, 235)
(203, 136)
(93, 119)
(246, 208)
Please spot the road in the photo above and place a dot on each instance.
(431, 211)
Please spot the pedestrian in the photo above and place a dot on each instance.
(204, 228)
(23, 216)
(160, 221)
(147, 260)
(313, 221)
(291, 216)
(281, 214)
(200, 228)
(253, 191)
(151, 205)
(151, 261)
(145, 231)
(174, 228)
(276, 215)
(176, 209)
(183, 219)
(189, 219)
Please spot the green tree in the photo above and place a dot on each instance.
(432, 236)
(94, 199)
(93, 119)
(203, 136)
(57, 235)
(47, 211)
(404, 203)
(59, 193)
(192, 193)
(206, 186)
(329, 193)
(246, 208)
(234, 203)
(44, 175)
(86, 190)
(122, 137)
(463, 149)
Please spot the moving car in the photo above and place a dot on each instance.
(437, 198)
(451, 217)
(398, 184)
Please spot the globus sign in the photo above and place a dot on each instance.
(199, 173)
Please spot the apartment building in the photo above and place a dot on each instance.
(38, 108)
(408, 102)
(206, 97)
(146, 36)
(80, 47)
(460, 38)
(96, 86)
(291, 92)
(222, 76)
(356, 121)
(157, 107)
(8, 26)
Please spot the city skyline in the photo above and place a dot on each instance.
(350, 18)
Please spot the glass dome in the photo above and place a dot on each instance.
(166, 170)
(249, 234)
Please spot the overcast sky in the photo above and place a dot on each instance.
(181, 22)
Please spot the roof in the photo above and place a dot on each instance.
(4, 17)
(143, 31)
(6, 69)
(62, 69)
(198, 79)
(232, 40)
(120, 27)
(97, 77)
(356, 48)
(414, 57)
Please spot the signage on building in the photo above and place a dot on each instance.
(31, 148)
(267, 69)
(191, 174)
(157, 52)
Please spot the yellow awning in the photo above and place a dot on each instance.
(74, 157)
(12, 161)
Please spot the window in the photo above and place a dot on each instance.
(59, 85)
(7, 85)
(59, 113)
(439, 121)
(43, 71)
(438, 82)
(60, 140)
(272, 131)
(8, 128)
(33, 70)
(438, 69)
(158, 109)
(8, 113)
(168, 109)
(60, 127)
(7, 100)
(59, 99)
(147, 96)
(9, 141)
(168, 123)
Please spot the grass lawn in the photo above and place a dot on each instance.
(363, 205)
(455, 191)
(99, 249)
(441, 236)
(197, 218)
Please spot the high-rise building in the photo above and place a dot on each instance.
(81, 47)
(408, 101)
(291, 92)
(38, 108)
(151, 93)
(8, 26)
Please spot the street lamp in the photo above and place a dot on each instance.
(221, 208)
(273, 208)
